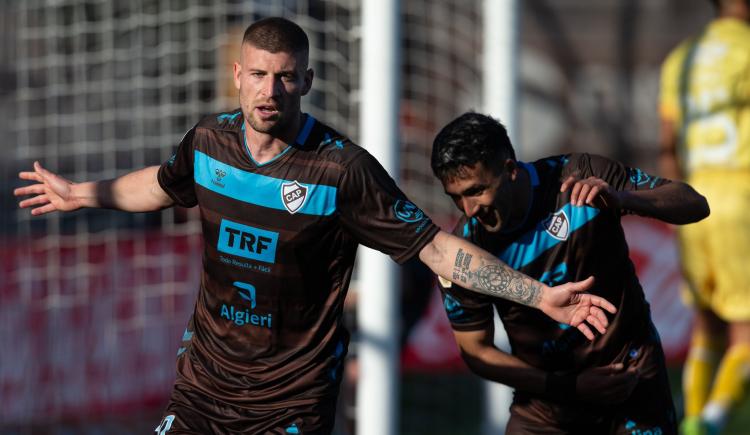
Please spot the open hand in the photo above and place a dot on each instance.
(570, 304)
(51, 193)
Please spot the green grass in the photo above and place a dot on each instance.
(739, 421)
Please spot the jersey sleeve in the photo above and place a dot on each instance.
(378, 215)
(617, 175)
(175, 175)
(466, 310)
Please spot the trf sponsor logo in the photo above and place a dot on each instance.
(248, 242)
(293, 196)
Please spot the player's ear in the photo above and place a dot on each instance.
(237, 70)
(307, 85)
(511, 167)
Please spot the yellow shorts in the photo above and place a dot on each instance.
(715, 251)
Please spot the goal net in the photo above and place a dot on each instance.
(94, 302)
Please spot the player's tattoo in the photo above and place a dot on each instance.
(493, 278)
(459, 257)
(461, 270)
(467, 261)
(501, 280)
(496, 279)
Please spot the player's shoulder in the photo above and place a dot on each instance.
(730, 30)
(327, 143)
(557, 164)
(673, 62)
(567, 164)
(556, 161)
(231, 121)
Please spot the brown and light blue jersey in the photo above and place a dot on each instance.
(280, 242)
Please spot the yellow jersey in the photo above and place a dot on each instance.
(705, 91)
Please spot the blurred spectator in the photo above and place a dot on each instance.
(705, 118)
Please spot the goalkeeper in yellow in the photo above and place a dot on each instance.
(705, 135)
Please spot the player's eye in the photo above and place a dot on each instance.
(474, 191)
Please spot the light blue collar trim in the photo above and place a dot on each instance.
(249, 154)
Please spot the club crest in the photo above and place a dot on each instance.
(558, 226)
(293, 196)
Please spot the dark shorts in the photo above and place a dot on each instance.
(190, 412)
(648, 411)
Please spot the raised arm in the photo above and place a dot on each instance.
(136, 191)
(474, 269)
(674, 202)
(609, 384)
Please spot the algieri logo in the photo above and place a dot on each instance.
(247, 292)
(242, 315)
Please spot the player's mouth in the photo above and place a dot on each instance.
(267, 111)
(490, 220)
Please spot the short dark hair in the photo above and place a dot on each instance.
(277, 34)
(467, 140)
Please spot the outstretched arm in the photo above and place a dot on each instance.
(136, 191)
(475, 269)
(608, 384)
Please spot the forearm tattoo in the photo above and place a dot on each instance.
(461, 266)
(496, 279)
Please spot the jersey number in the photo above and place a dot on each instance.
(164, 425)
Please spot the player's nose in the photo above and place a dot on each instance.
(268, 86)
(469, 207)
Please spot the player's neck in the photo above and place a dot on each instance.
(736, 10)
(522, 194)
(264, 147)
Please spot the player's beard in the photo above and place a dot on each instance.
(274, 126)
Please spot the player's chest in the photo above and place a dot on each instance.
(253, 212)
(552, 240)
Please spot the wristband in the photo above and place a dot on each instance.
(560, 386)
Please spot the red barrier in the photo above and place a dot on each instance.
(92, 328)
